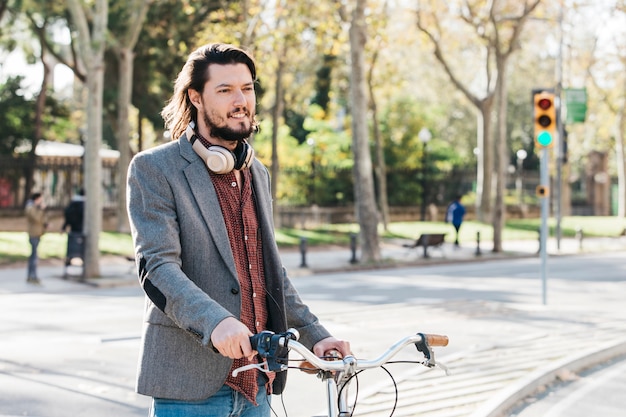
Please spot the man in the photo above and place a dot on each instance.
(200, 213)
(454, 215)
(36, 221)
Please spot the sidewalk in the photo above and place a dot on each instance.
(338, 259)
(118, 271)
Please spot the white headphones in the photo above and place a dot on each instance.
(219, 159)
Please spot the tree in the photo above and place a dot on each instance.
(497, 25)
(380, 166)
(506, 24)
(363, 181)
(132, 15)
(431, 21)
(609, 81)
(90, 36)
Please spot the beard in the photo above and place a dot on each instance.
(224, 132)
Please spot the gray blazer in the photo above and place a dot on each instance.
(187, 270)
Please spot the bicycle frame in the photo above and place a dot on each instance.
(336, 372)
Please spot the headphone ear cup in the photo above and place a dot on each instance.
(220, 160)
(244, 154)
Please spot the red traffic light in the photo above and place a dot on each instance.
(544, 103)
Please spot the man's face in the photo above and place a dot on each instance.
(227, 105)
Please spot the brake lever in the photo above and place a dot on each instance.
(260, 366)
(429, 355)
(443, 367)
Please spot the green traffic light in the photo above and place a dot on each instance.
(544, 139)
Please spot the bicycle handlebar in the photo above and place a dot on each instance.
(274, 349)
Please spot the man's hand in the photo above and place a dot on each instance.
(232, 339)
(325, 347)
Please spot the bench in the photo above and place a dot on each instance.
(428, 240)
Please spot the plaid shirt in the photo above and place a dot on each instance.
(239, 212)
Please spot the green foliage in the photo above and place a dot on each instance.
(318, 171)
(17, 117)
(14, 110)
(14, 246)
(413, 167)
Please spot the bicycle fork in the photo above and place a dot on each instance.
(337, 395)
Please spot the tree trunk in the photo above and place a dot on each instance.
(501, 157)
(125, 65)
(363, 184)
(93, 169)
(486, 165)
(381, 166)
(91, 38)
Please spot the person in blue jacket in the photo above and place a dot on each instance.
(454, 215)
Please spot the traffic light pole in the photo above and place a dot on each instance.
(560, 136)
(543, 231)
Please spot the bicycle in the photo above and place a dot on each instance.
(338, 373)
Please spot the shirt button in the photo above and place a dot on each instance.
(234, 291)
(254, 294)
(245, 237)
(249, 266)
(233, 184)
(258, 324)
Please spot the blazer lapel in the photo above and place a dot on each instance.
(208, 205)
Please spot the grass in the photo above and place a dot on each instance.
(14, 246)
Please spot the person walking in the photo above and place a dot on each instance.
(74, 213)
(454, 215)
(200, 211)
(37, 222)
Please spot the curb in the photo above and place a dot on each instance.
(510, 397)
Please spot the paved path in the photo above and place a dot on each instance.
(485, 380)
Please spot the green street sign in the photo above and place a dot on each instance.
(575, 105)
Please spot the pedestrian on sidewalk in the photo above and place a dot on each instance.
(37, 222)
(74, 213)
(454, 215)
(200, 209)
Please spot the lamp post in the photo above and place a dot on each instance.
(521, 155)
(424, 136)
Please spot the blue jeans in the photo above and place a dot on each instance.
(32, 259)
(224, 403)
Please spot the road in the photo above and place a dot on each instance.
(71, 349)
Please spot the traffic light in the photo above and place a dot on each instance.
(542, 191)
(545, 119)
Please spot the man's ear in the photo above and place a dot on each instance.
(194, 97)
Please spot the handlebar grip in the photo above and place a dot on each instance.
(260, 339)
(436, 339)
